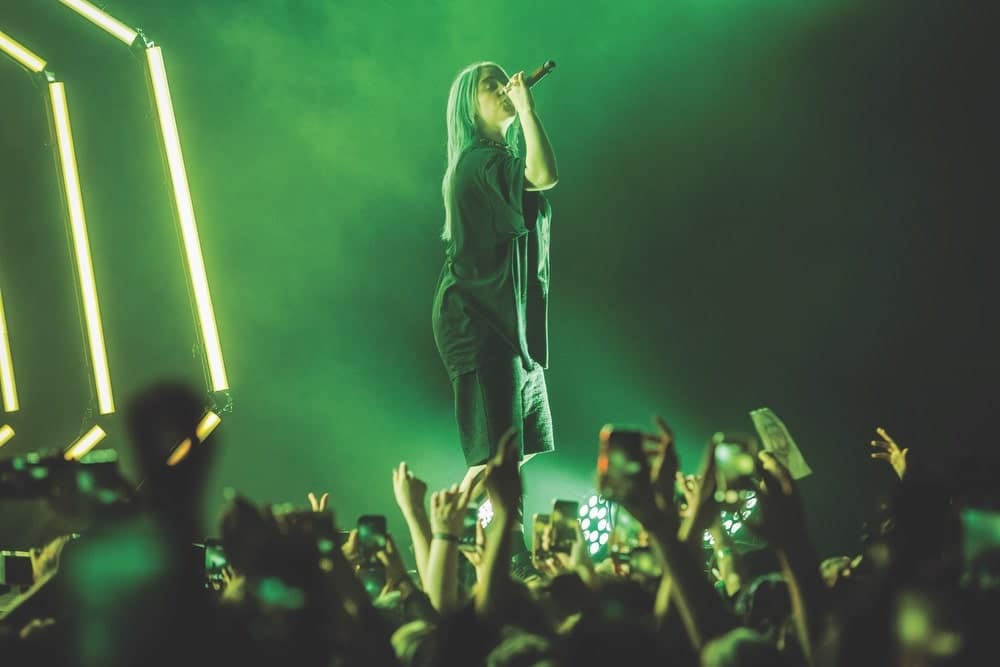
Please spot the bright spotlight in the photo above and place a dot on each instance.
(6, 433)
(595, 521)
(87, 442)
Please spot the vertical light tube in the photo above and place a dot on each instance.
(102, 20)
(7, 385)
(6, 433)
(185, 214)
(81, 248)
(87, 442)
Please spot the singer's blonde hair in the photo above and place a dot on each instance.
(463, 132)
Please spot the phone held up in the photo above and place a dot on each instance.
(736, 474)
(539, 549)
(371, 539)
(564, 518)
(621, 462)
(16, 569)
(467, 540)
(215, 563)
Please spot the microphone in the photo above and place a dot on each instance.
(537, 75)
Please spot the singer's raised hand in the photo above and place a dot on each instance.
(520, 94)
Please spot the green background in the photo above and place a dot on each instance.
(777, 203)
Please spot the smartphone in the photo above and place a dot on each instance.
(621, 461)
(735, 469)
(15, 568)
(371, 536)
(626, 532)
(564, 519)
(539, 522)
(467, 540)
(215, 562)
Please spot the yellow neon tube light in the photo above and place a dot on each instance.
(204, 429)
(20, 53)
(86, 443)
(208, 424)
(102, 20)
(81, 247)
(185, 213)
(6, 433)
(7, 385)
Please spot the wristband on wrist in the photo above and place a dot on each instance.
(447, 537)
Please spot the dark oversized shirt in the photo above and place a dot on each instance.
(492, 295)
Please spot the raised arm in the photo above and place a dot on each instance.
(650, 500)
(447, 515)
(539, 158)
(782, 524)
(503, 482)
(887, 450)
(410, 492)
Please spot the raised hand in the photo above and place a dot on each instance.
(395, 570)
(410, 491)
(446, 520)
(689, 486)
(474, 554)
(318, 504)
(663, 470)
(557, 562)
(448, 510)
(781, 519)
(351, 549)
(699, 494)
(503, 477)
(886, 449)
(520, 94)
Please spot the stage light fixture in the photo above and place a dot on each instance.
(7, 385)
(185, 213)
(201, 295)
(87, 442)
(20, 53)
(204, 429)
(6, 433)
(207, 424)
(102, 20)
(485, 512)
(81, 248)
(596, 523)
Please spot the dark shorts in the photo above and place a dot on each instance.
(490, 400)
